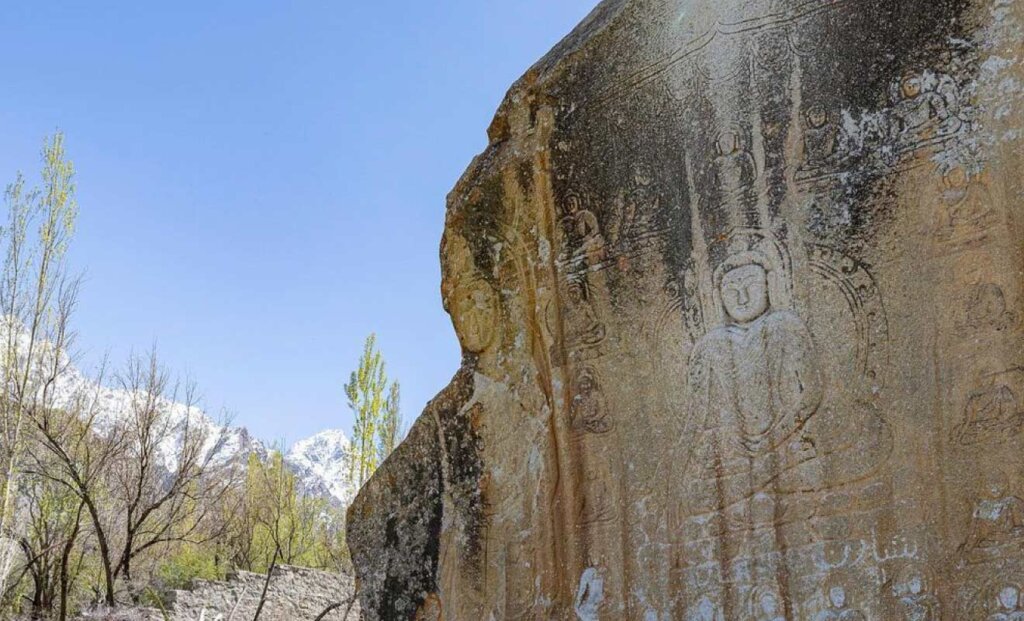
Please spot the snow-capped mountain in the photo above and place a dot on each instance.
(319, 462)
(322, 464)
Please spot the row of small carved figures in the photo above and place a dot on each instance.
(913, 602)
(929, 112)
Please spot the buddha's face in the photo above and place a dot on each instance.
(957, 178)
(585, 384)
(745, 293)
(575, 204)
(816, 117)
(914, 585)
(837, 595)
(642, 175)
(576, 294)
(911, 87)
(769, 604)
(996, 488)
(728, 143)
(475, 315)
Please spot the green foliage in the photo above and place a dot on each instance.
(277, 520)
(187, 562)
(68, 496)
(375, 432)
(33, 243)
(390, 426)
(36, 299)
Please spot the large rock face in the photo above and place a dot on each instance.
(739, 287)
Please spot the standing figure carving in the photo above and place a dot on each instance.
(820, 138)
(586, 242)
(753, 381)
(734, 169)
(639, 206)
(587, 409)
(750, 471)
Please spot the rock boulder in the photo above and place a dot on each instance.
(739, 289)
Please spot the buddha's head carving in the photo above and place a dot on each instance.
(744, 292)
(469, 298)
(912, 581)
(816, 117)
(765, 602)
(837, 595)
(475, 314)
(728, 143)
(910, 86)
(752, 277)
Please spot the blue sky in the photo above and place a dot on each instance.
(262, 184)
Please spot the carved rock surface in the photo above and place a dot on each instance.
(739, 289)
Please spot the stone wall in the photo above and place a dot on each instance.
(740, 287)
(294, 594)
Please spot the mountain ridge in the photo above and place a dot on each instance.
(320, 462)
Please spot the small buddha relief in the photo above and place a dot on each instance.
(821, 136)
(996, 524)
(986, 310)
(588, 410)
(734, 169)
(992, 411)
(914, 598)
(837, 605)
(1006, 603)
(968, 212)
(766, 605)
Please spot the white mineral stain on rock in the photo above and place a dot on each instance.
(589, 595)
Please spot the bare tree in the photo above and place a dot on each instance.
(36, 300)
(79, 458)
(146, 475)
(167, 483)
(49, 544)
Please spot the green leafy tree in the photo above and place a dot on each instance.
(87, 516)
(391, 424)
(36, 300)
(375, 403)
(278, 522)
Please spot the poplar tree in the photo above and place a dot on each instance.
(37, 297)
(374, 403)
(391, 423)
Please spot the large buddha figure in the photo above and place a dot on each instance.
(753, 383)
(767, 463)
(754, 378)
